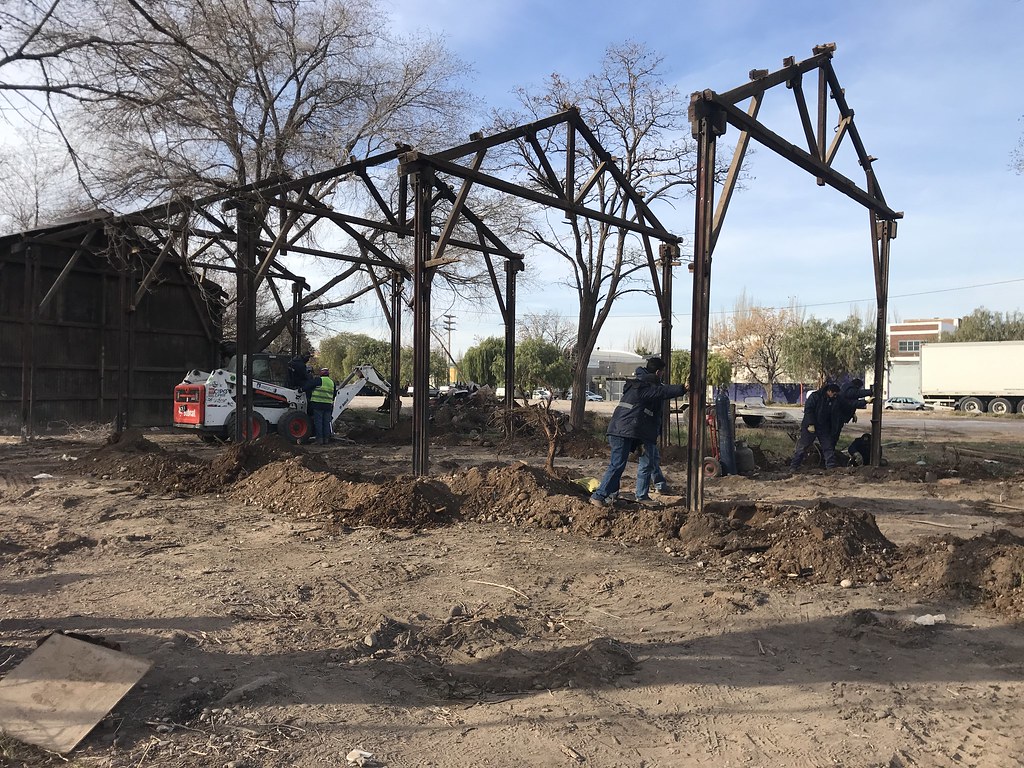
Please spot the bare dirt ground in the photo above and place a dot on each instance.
(299, 603)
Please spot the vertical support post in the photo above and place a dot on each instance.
(668, 253)
(512, 268)
(708, 124)
(123, 341)
(882, 233)
(129, 354)
(396, 347)
(245, 255)
(422, 275)
(29, 317)
(822, 116)
(296, 318)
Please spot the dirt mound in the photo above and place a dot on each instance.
(821, 544)
(241, 459)
(131, 457)
(519, 494)
(987, 569)
(129, 441)
(294, 487)
(523, 495)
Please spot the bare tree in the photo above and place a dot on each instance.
(35, 187)
(642, 121)
(184, 97)
(645, 342)
(549, 326)
(222, 93)
(751, 339)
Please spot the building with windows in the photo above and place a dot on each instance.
(903, 374)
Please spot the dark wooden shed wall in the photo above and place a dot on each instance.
(80, 337)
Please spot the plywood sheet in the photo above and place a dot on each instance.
(58, 694)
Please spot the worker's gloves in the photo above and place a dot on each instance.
(811, 429)
(869, 399)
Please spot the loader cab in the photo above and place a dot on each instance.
(270, 368)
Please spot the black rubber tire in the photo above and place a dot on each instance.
(972, 405)
(258, 427)
(1000, 406)
(295, 427)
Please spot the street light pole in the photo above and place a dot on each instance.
(449, 325)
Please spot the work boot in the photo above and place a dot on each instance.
(663, 490)
(647, 501)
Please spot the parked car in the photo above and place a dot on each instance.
(906, 404)
(542, 394)
(591, 396)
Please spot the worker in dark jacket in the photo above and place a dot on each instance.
(850, 398)
(298, 372)
(648, 471)
(635, 421)
(817, 425)
(321, 391)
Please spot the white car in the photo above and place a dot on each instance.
(592, 397)
(541, 394)
(906, 404)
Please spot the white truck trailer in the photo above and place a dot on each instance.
(974, 376)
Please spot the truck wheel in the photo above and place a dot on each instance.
(712, 467)
(1000, 406)
(753, 421)
(295, 427)
(257, 427)
(972, 405)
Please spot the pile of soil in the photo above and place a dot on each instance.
(519, 494)
(822, 544)
(987, 569)
(301, 490)
(522, 495)
(130, 456)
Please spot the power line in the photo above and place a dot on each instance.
(495, 314)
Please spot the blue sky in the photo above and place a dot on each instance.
(934, 88)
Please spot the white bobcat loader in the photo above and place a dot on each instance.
(205, 402)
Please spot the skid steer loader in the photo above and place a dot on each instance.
(204, 402)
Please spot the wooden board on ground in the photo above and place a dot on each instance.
(58, 694)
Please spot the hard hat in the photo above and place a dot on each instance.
(324, 371)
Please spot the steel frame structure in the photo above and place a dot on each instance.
(710, 114)
(251, 227)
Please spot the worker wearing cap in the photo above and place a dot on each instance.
(635, 421)
(817, 425)
(844, 410)
(321, 391)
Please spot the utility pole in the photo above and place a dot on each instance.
(449, 324)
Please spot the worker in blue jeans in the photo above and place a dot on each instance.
(635, 422)
(321, 401)
(648, 470)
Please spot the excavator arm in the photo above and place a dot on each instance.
(353, 385)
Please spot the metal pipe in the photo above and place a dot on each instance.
(881, 235)
(396, 347)
(706, 134)
(423, 202)
(669, 253)
(511, 268)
